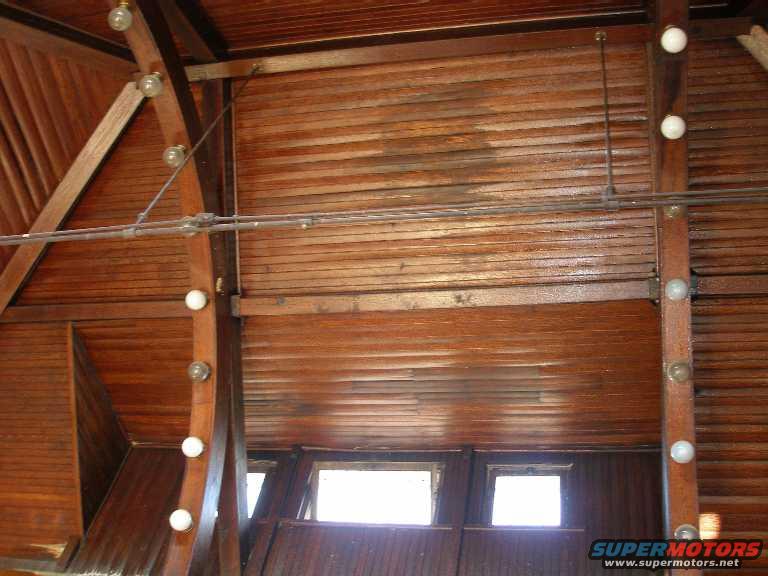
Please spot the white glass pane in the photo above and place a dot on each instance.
(375, 496)
(526, 501)
(255, 482)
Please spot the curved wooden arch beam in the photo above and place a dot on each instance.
(152, 44)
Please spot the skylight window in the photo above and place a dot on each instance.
(383, 493)
(255, 481)
(527, 500)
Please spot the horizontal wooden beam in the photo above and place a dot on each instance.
(396, 301)
(741, 285)
(96, 311)
(472, 46)
(35, 31)
(71, 187)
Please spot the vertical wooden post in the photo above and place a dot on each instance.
(669, 85)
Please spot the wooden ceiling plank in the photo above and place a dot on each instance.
(70, 189)
(34, 31)
(153, 46)
(669, 87)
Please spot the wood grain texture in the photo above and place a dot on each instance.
(145, 493)
(118, 270)
(101, 440)
(558, 375)
(38, 491)
(142, 364)
(730, 346)
(49, 106)
(306, 549)
(728, 101)
(69, 190)
(448, 132)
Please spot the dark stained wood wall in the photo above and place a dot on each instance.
(118, 270)
(557, 375)
(49, 106)
(728, 100)
(731, 370)
(131, 531)
(143, 365)
(101, 441)
(309, 549)
(510, 128)
(39, 495)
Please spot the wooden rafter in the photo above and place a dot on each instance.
(32, 30)
(194, 29)
(669, 89)
(70, 189)
(153, 46)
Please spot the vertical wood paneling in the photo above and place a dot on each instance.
(118, 270)
(555, 375)
(130, 533)
(38, 491)
(731, 370)
(143, 365)
(508, 128)
(101, 441)
(728, 138)
(48, 108)
(306, 549)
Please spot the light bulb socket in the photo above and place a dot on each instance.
(679, 372)
(174, 156)
(181, 520)
(120, 18)
(199, 371)
(686, 532)
(676, 289)
(682, 452)
(151, 85)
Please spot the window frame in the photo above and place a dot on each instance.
(437, 469)
(494, 471)
(268, 467)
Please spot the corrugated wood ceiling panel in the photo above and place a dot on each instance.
(143, 365)
(49, 106)
(118, 270)
(561, 375)
(38, 491)
(728, 100)
(731, 375)
(510, 128)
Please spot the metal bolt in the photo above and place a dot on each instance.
(674, 211)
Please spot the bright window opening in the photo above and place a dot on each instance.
(254, 481)
(527, 501)
(375, 496)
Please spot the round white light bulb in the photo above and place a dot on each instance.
(181, 520)
(686, 532)
(151, 85)
(192, 447)
(676, 289)
(120, 18)
(173, 156)
(679, 372)
(673, 127)
(196, 299)
(674, 40)
(682, 452)
(199, 371)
